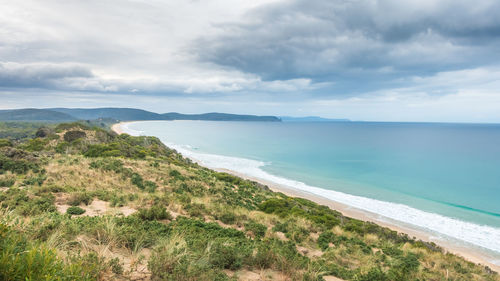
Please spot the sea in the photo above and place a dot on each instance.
(440, 178)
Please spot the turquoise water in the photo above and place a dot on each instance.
(443, 177)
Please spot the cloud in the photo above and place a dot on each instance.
(341, 40)
(33, 75)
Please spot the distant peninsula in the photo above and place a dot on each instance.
(121, 114)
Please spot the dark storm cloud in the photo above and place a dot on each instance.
(342, 40)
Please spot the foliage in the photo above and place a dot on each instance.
(21, 259)
(5, 142)
(156, 212)
(71, 136)
(7, 181)
(258, 230)
(75, 210)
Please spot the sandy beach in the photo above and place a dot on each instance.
(470, 254)
(117, 128)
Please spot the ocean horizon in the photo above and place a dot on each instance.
(438, 177)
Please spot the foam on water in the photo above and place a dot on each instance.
(479, 235)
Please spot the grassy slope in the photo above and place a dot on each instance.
(149, 213)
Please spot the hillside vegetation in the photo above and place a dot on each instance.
(82, 203)
(123, 114)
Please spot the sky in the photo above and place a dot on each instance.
(373, 60)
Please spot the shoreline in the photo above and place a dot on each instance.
(468, 253)
(117, 127)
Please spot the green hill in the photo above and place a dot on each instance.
(124, 114)
(214, 116)
(32, 114)
(129, 114)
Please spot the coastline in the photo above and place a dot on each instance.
(468, 253)
(117, 127)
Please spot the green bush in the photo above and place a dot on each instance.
(35, 180)
(22, 259)
(71, 136)
(5, 142)
(37, 144)
(38, 205)
(325, 239)
(18, 161)
(156, 212)
(106, 164)
(75, 210)
(79, 198)
(226, 254)
(228, 218)
(176, 175)
(137, 180)
(67, 126)
(7, 181)
(275, 205)
(43, 132)
(257, 229)
(150, 186)
(404, 267)
(375, 274)
(116, 266)
(196, 210)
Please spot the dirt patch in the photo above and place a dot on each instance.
(311, 253)
(127, 211)
(314, 236)
(96, 208)
(281, 236)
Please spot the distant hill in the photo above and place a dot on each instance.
(214, 116)
(32, 114)
(311, 119)
(122, 114)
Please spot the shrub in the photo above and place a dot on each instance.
(375, 274)
(67, 126)
(35, 180)
(176, 175)
(275, 205)
(71, 136)
(150, 186)
(106, 164)
(325, 239)
(22, 259)
(257, 229)
(137, 180)
(196, 210)
(228, 218)
(404, 267)
(156, 212)
(116, 266)
(5, 142)
(7, 181)
(43, 132)
(75, 210)
(37, 144)
(226, 254)
(79, 198)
